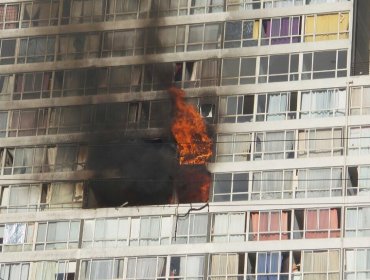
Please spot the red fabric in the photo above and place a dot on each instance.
(322, 223)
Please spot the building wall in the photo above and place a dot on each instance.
(84, 88)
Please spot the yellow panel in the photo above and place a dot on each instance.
(343, 22)
(256, 29)
(309, 25)
(327, 24)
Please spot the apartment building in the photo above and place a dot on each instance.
(89, 164)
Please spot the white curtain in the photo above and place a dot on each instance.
(220, 227)
(363, 221)
(276, 106)
(146, 268)
(242, 146)
(149, 230)
(272, 184)
(14, 233)
(101, 269)
(43, 270)
(274, 145)
(194, 267)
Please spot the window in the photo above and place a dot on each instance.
(151, 230)
(17, 237)
(163, 8)
(320, 142)
(325, 64)
(236, 109)
(109, 232)
(36, 49)
(358, 180)
(273, 145)
(356, 264)
(28, 122)
(101, 269)
(16, 271)
(278, 68)
(40, 13)
(357, 222)
(25, 160)
(138, 114)
(228, 227)
(57, 235)
(202, 7)
(323, 103)
(125, 78)
(146, 268)
(284, 30)
(6, 86)
(9, 16)
(276, 106)
(64, 195)
(326, 27)
(83, 11)
(122, 9)
(20, 198)
(3, 123)
(7, 51)
(272, 185)
(360, 101)
(242, 33)
(79, 46)
(233, 147)
(187, 267)
(226, 266)
(230, 187)
(238, 71)
(122, 43)
(359, 140)
(323, 182)
(317, 223)
(204, 36)
(271, 225)
(190, 229)
(239, 5)
(61, 270)
(320, 264)
(32, 85)
(269, 265)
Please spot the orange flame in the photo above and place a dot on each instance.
(189, 131)
(194, 147)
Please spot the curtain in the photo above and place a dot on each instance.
(101, 269)
(363, 221)
(146, 268)
(62, 193)
(149, 231)
(242, 147)
(274, 145)
(272, 185)
(318, 182)
(195, 266)
(322, 222)
(315, 262)
(277, 105)
(43, 270)
(269, 263)
(209, 75)
(14, 233)
(220, 227)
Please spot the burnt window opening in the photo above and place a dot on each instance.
(352, 181)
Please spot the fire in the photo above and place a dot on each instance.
(189, 131)
(194, 147)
